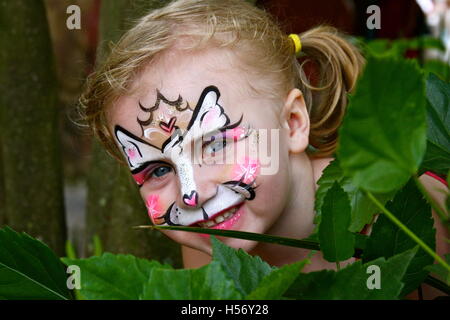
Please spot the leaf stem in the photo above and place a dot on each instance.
(297, 243)
(438, 284)
(436, 207)
(405, 229)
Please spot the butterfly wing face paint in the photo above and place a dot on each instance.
(207, 117)
(137, 152)
(208, 114)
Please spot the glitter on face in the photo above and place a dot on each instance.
(153, 207)
(247, 170)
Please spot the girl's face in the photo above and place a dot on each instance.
(204, 149)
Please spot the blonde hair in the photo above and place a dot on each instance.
(258, 41)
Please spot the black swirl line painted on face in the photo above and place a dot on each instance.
(160, 97)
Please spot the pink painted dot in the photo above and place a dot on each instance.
(131, 152)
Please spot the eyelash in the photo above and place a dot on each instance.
(149, 175)
(221, 140)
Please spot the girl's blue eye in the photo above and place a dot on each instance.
(160, 171)
(215, 146)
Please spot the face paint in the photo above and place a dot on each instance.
(235, 134)
(247, 170)
(229, 197)
(164, 114)
(171, 134)
(154, 209)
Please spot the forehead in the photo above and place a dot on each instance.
(186, 74)
(177, 74)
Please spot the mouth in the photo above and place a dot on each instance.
(219, 217)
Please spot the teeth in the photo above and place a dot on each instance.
(209, 223)
(219, 219)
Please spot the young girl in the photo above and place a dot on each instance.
(193, 96)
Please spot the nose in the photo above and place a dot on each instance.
(191, 200)
(196, 188)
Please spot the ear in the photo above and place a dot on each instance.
(295, 118)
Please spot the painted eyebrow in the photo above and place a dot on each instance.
(233, 125)
(226, 126)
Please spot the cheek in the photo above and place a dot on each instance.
(155, 208)
(272, 196)
(247, 169)
(272, 193)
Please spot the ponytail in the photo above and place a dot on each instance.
(338, 64)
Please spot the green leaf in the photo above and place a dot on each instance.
(383, 135)
(113, 276)
(427, 42)
(70, 250)
(437, 157)
(206, 283)
(440, 270)
(378, 47)
(29, 269)
(97, 243)
(277, 282)
(245, 270)
(386, 240)
(351, 282)
(232, 274)
(336, 242)
(438, 67)
(398, 47)
(363, 209)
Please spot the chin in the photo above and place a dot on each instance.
(247, 222)
(246, 245)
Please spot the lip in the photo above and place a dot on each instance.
(195, 224)
(228, 224)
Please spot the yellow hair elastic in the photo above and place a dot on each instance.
(297, 43)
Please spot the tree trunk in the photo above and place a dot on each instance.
(114, 205)
(2, 188)
(29, 124)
